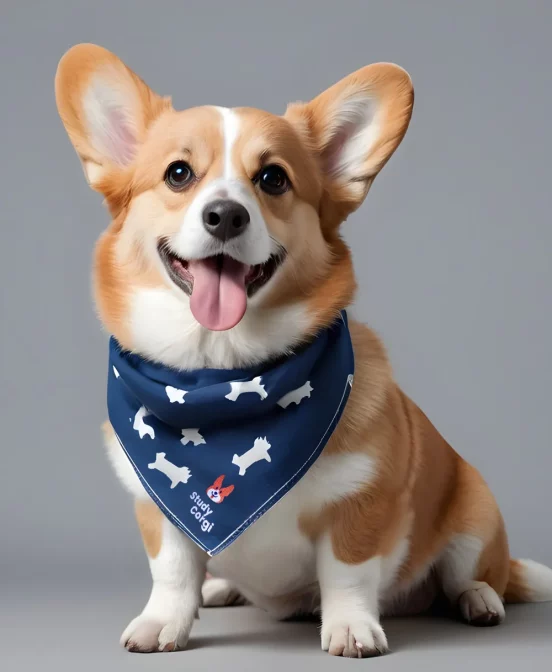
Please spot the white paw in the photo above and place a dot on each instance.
(481, 605)
(146, 634)
(362, 637)
(220, 593)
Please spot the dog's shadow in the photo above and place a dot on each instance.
(254, 629)
(257, 629)
(528, 624)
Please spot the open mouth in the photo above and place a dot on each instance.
(218, 286)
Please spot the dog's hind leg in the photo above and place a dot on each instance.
(475, 563)
(478, 601)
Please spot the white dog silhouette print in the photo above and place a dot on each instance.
(140, 426)
(175, 395)
(254, 385)
(258, 452)
(191, 436)
(296, 396)
(175, 474)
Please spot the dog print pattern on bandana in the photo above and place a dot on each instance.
(215, 449)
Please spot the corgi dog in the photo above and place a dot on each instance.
(225, 251)
(217, 493)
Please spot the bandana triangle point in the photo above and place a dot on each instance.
(261, 428)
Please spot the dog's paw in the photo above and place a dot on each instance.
(481, 606)
(359, 638)
(217, 592)
(146, 634)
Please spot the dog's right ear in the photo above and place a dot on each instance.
(105, 108)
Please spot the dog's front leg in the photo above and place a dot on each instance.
(177, 569)
(349, 600)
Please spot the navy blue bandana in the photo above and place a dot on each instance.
(215, 449)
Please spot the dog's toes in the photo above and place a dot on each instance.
(220, 593)
(142, 635)
(362, 639)
(481, 606)
(148, 635)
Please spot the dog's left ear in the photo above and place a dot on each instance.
(354, 127)
(106, 109)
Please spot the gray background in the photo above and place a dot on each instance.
(453, 259)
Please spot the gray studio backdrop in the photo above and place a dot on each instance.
(452, 247)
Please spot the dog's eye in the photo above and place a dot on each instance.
(178, 175)
(273, 180)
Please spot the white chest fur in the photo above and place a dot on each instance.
(273, 558)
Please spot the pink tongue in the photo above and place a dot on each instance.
(218, 299)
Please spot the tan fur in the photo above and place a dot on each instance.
(150, 522)
(107, 431)
(423, 490)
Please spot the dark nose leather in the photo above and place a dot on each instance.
(225, 219)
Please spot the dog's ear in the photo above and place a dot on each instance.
(353, 128)
(218, 483)
(226, 491)
(105, 108)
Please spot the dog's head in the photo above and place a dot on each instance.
(224, 247)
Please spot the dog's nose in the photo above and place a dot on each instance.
(225, 219)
